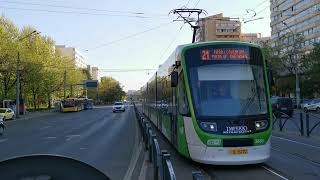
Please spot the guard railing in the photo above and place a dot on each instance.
(304, 123)
(311, 126)
(283, 119)
(162, 165)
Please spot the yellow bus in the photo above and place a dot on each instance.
(71, 105)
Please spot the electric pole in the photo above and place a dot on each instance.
(18, 75)
(186, 15)
(18, 87)
(64, 82)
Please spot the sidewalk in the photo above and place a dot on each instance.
(34, 115)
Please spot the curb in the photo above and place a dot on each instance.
(30, 118)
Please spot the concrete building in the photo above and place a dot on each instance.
(292, 17)
(95, 73)
(218, 28)
(73, 54)
(255, 38)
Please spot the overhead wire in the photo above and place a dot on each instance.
(177, 35)
(172, 41)
(129, 36)
(78, 8)
(78, 12)
(258, 5)
(264, 1)
(196, 4)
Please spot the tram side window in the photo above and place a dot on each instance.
(182, 100)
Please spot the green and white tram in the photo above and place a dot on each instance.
(211, 101)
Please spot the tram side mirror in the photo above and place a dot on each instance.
(174, 79)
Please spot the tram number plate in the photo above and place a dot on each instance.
(238, 151)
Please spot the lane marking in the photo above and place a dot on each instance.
(82, 148)
(273, 172)
(143, 172)
(51, 137)
(297, 142)
(69, 137)
(135, 155)
(3, 140)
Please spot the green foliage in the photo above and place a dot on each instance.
(311, 69)
(8, 54)
(110, 90)
(41, 68)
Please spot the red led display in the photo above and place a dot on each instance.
(224, 54)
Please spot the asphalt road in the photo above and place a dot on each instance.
(98, 137)
(292, 157)
(110, 141)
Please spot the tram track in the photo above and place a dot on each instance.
(299, 156)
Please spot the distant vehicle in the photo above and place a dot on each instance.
(71, 105)
(304, 103)
(282, 105)
(294, 102)
(87, 103)
(118, 106)
(7, 113)
(314, 105)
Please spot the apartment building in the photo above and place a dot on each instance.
(293, 19)
(218, 28)
(95, 73)
(73, 54)
(254, 38)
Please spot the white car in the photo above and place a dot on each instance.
(314, 105)
(118, 106)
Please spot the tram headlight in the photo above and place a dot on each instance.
(209, 126)
(263, 124)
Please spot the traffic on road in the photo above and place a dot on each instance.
(170, 90)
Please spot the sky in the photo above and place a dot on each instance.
(111, 36)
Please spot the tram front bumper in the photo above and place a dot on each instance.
(222, 156)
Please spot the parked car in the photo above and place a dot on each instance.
(304, 102)
(314, 105)
(118, 106)
(7, 113)
(282, 105)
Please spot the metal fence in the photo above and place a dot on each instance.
(303, 123)
(163, 169)
(311, 126)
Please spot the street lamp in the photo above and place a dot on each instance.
(18, 74)
(296, 65)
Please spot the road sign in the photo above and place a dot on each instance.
(90, 83)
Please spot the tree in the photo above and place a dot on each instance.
(285, 60)
(110, 90)
(311, 68)
(41, 68)
(8, 55)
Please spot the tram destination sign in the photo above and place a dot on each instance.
(216, 54)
